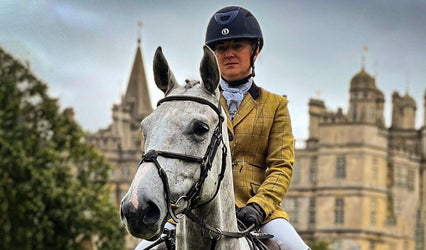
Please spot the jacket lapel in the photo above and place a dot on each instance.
(228, 118)
(246, 106)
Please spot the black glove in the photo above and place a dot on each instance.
(251, 214)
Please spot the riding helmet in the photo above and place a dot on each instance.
(233, 22)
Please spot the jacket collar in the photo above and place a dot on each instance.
(254, 91)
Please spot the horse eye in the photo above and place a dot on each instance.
(200, 128)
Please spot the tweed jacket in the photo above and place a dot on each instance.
(262, 150)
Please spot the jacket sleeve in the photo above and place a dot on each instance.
(279, 161)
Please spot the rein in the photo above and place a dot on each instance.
(193, 195)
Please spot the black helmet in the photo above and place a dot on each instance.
(233, 22)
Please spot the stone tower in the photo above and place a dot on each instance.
(366, 100)
(403, 111)
(316, 110)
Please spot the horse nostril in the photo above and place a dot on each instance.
(123, 217)
(152, 214)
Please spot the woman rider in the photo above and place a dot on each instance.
(259, 127)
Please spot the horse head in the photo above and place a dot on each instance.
(179, 169)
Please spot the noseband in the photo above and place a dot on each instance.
(193, 195)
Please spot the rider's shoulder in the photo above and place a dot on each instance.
(270, 97)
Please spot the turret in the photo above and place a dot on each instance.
(380, 104)
(316, 109)
(403, 111)
(366, 100)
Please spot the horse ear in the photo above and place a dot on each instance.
(163, 76)
(209, 70)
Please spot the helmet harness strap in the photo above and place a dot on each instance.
(255, 52)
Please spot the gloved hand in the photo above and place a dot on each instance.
(251, 214)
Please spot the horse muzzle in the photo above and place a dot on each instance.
(145, 221)
(143, 209)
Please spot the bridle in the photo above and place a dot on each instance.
(193, 195)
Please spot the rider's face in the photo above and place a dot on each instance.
(233, 57)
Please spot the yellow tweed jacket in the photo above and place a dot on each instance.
(262, 149)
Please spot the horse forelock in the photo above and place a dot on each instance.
(191, 83)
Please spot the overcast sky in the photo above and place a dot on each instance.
(84, 50)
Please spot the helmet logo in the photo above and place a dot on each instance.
(225, 31)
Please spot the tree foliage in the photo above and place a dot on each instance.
(319, 245)
(53, 190)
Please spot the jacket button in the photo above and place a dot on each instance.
(231, 138)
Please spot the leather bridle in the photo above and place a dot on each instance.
(193, 195)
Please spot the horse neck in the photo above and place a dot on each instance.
(219, 213)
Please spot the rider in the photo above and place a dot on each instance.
(259, 127)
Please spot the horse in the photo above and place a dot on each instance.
(184, 174)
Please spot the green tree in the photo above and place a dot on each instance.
(53, 190)
(319, 245)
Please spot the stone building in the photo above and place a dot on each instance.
(356, 183)
(120, 142)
